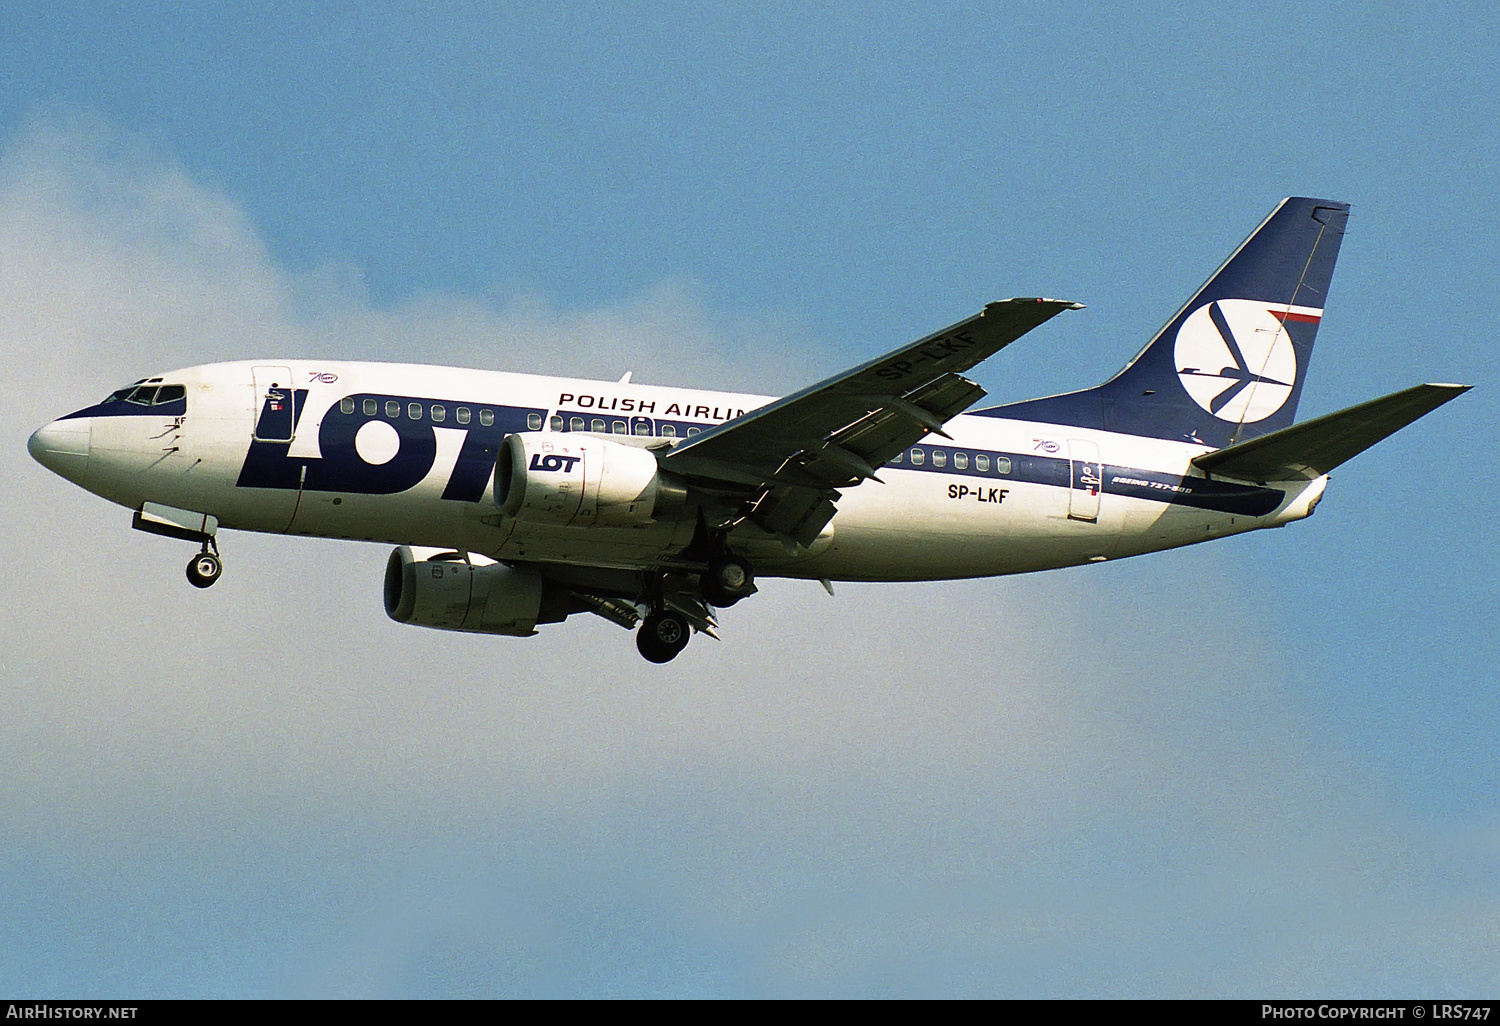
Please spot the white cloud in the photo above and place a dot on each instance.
(1040, 785)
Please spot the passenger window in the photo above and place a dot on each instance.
(643, 428)
(346, 405)
(668, 431)
(533, 421)
(960, 461)
(597, 427)
(1002, 464)
(898, 457)
(556, 423)
(617, 428)
(982, 464)
(575, 424)
(939, 457)
(918, 457)
(438, 414)
(414, 411)
(693, 431)
(463, 414)
(392, 409)
(171, 393)
(371, 406)
(486, 417)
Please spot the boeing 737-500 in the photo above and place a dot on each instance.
(516, 500)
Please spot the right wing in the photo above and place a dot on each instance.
(789, 458)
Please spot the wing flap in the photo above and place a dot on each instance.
(799, 513)
(1311, 449)
(853, 453)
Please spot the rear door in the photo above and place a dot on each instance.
(1087, 480)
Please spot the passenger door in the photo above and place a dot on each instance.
(277, 401)
(1086, 480)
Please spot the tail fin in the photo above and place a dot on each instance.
(1230, 365)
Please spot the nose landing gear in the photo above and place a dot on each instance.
(185, 525)
(206, 567)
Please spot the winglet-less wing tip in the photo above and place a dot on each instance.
(1066, 304)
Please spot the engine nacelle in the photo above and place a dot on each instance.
(577, 480)
(454, 593)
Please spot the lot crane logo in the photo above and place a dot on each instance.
(1235, 359)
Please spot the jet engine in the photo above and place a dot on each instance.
(576, 480)
(453, 592)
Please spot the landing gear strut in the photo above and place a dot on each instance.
(663, 635)
(206, 567)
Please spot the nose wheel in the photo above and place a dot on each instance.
(206, 568)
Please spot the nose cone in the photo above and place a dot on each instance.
(63, 447)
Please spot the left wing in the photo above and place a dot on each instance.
(791, 456)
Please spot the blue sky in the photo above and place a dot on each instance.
(1262, 767)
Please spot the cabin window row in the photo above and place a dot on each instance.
(462, 415)
(602, 426)
(961, 460)
(416, 411)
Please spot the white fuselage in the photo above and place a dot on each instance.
(405, 455)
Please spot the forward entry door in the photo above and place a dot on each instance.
(277, 404)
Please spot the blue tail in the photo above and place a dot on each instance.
(1230, 365)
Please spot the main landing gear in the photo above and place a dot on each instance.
(727, 580)
(663, 635)
(206, 567)
(665, 631)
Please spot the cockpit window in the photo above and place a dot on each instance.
(148, 395)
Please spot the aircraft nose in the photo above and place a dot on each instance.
(63, 446)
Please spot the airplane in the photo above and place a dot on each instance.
(517, 500)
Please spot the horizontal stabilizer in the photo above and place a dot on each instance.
(1310, 450)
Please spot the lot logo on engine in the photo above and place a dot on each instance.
(554, 462)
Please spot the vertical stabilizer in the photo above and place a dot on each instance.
(1230, 365)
